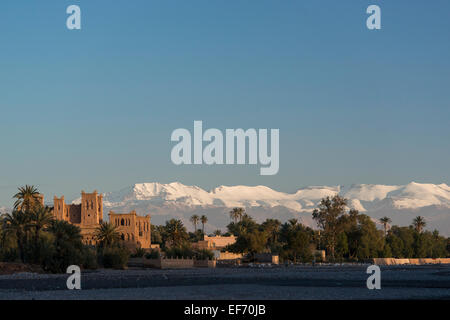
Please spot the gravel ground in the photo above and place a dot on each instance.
(293, 282)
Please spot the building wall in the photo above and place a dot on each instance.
(220, 241)
(212, 243)
(227, 255)
(267, 258)
(133, 229)
(393, 261)
(163, 263)
(91, 208)
(89, 212)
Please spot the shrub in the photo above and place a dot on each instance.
(116, 257)
(204, 254)
(90, 258)
(55, 256)
(179, 252)
(139, 253)
(9, 255)
(153, 254)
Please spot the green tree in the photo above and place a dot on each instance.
(245, 225)
(236, 214)
(298, 244)
(195, 219)
(40, 219)
(387, 252)
(27, 199)
(272, 228)
(341, 246)
(328, 218)
(66, 248)
(203, 220)
(385, 221)
(296, 240)
(401, 240)
(107, 235)
(175, 233)
(439, 244)
(419, 223)
(17, 224)
(423, 244)
(156, 233)
(371, 240)
(250, 242)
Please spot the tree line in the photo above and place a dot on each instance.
(345, 235)
(31, 235)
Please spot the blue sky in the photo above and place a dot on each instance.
(94, 108)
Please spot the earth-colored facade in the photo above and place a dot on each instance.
(134, 230)
(214, 243)
(88, 215)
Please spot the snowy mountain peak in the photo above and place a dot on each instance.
(411, 196)
(400, 202)
(175, 200)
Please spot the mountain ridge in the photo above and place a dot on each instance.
(176, 200)
(411, 196)
(402, 203)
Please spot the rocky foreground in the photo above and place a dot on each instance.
(238, 283)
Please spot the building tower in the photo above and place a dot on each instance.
(59, 208)
(91, 208)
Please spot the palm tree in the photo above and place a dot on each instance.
(385, 221)
(40, 219)
(195, 219)
(272, 227)
(237, 214)
(293, 222)
(203, 220)
(419, 223)
(65, 234)
(17, 223)
(175, 232)
(106, 234)
(28, 198)
(217, 232)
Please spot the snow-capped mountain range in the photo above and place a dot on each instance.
(174, 200)
(402, 203)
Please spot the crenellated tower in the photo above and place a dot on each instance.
(59, 209)
(91, 208)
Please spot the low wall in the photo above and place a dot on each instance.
(267, 258)
(420, 261)
(205, 263)
(176, 263)
(229, 256)
(163, 263)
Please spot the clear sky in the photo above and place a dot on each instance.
(94, 108)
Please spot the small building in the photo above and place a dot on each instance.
(214, 243)
(267, 258)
